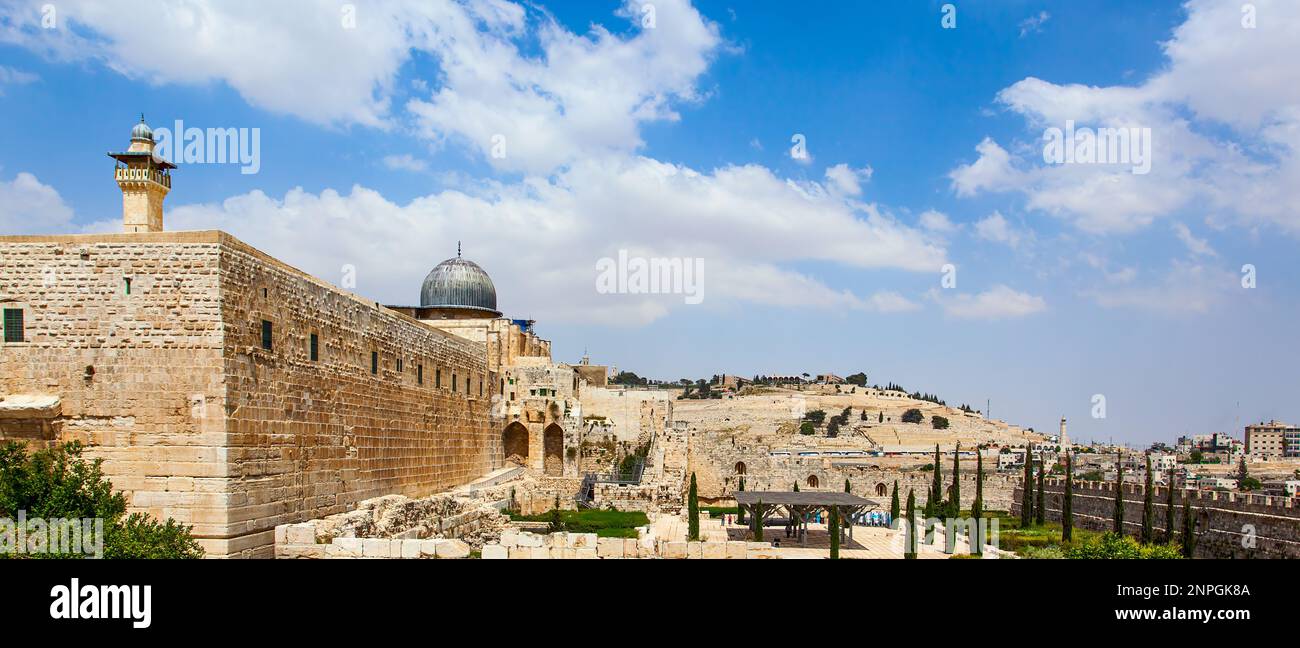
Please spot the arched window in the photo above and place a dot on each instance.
(812, 481)
(740, 467)
(881, 489)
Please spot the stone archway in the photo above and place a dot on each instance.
(514, 443)
(881, 489)
(812, 481)
(740, 468)
(553, 450)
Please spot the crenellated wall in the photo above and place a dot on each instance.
(1229, 525)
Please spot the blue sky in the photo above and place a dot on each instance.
(674, 140)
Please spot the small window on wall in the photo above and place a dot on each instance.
(503, 387)
(374, 362)
(453, 383)
(127, 282)
(266, 335)
(14, 325)
(399, 365)
(480, 386)
(315, 347)
(419, 374)
(437, 378)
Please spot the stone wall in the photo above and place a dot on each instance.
(718, 459)
(1223, 520)
(199, 423)
(588, 546)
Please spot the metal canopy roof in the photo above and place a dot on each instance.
(802, 498)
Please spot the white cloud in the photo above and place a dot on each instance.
(1186, 287)
(995, 227)
(555, 96)
(1217, 74)
(846, 180)
(999, 302)
(29, 207)
(1033, 24)
(991, 171)
(581, 97)
(10, 76)
(405, 162)
(937, 222)
(1195, 245)
(540, 238)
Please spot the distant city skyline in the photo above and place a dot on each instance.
(864, 186)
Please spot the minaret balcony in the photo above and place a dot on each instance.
(128, 174)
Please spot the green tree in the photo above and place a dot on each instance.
(848, 488)
(693, 512)
(740, 512)
(1027, 496)
(1067, 502)
(1242, 473)
(977, 507)
(758, 521)
(796, 487)
(934, 503)
(1148, 507)
(954, 499)
(56, 482)
(1119, 494)
(1189, 529)
(910, 538)
(881, 418)
(1040, 506)
(834, 529)
(913, 416)
(939, 422)
(555, 523)
(893, 503)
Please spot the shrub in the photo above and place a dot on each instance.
(58, 483)
(913, 416)
(1112, 546)
(939, 422)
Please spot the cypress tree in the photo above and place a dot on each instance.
(847, 487)
(1040, 507)
(834, 529)
(1027, 496)
(934, 503)
(1189, 529)
(1067, 502)
(796, 487)
(693, 512)
(740, 512)
(977, 507)
(1169, 510)
(1119, 493)
(893, 503)
(909, 550)
(954, 506)
(1148, 507)
(758, 521)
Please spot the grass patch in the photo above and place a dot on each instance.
(717, 511)
(603, 523)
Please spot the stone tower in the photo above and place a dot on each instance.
(144, 179)
(1064, 439)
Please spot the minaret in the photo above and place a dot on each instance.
(1064, 439)
(144, 179)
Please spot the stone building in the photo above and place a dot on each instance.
(232, 392)
(1273, 440)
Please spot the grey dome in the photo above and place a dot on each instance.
(142, 131)
(459, 283)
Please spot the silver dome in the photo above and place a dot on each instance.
(142, 131)
(459, 283)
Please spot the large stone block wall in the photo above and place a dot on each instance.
(197, 422)
(308, 438)
(139, 376)
(1271, 524)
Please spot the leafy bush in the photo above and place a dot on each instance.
(806, 428)
(939, 422)
(913, 416)
(1112, 546)
(57, 483)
